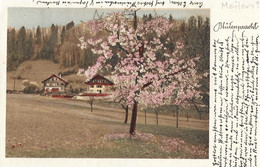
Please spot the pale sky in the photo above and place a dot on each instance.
(44, 17)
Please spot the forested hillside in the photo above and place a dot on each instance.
(57, 43)
(60, 43)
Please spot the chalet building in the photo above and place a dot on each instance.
(54, 83)
(99, 84)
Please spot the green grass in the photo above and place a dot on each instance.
(54, 133)
(126, 148)
(191, 136)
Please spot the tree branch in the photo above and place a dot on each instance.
(149, 83)
(146, 85)
(120, 47)
(181, 70)
(124, 107)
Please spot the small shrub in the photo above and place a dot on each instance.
(26, 82)
(32, 87)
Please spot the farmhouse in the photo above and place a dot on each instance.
(54, 83)
(99, 84)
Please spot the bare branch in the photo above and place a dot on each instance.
(149, 83)
(120, 47)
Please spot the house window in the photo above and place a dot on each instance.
(99, 86)
(92, 86)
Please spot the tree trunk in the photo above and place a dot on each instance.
(133, 119)
(145, 117)
(157, 121)
(177, 117)
(187, 118)
(91, 106)
(196, 107)
(91, 100)
(126, 114)
(14, 83)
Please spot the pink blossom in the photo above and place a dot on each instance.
(142, 77)
(95, 25)
(112, 39)
(179, 45)
(101, 59)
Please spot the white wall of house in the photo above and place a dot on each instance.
(53, 88)
(97, 89)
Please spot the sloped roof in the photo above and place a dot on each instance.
(99, 80)
(53, 75)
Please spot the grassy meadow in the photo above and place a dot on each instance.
(39, 126)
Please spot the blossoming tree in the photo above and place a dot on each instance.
(120, 95)
(151, 71)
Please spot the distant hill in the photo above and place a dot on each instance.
(56, 43)
(38, 70)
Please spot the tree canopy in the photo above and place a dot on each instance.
(154, 72)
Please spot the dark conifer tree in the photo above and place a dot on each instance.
(63, 34)
(29, 47)
(11, 50)
(21, 44)
(38, 35)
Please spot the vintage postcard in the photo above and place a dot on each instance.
(120, 84)
(112, 83)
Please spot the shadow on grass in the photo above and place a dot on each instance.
(190, 136)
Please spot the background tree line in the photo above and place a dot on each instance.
(56, 43)
(59, 43)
